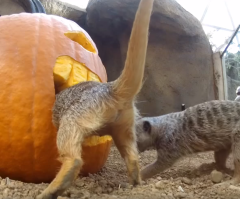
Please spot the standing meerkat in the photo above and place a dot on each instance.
(210, 126)
(102, 108)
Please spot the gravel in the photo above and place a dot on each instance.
(190, 178)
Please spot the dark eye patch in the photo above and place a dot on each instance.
(147, 126)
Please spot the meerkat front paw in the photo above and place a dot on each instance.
(45, 196)
(135, 179)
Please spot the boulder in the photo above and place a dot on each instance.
(8, 7)
(179, 65)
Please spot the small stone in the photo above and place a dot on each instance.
(154, 190)
(2, 183)
(180, 189)
(98, 190)
(186, 181)
(60, 197)
(74, 196)
(7, 181)
(144, 182)
(159, 178)
(86, 195)
(124, 185)
(234, 187)
(159, 185)
(102, 183)
(180, 195)
(111, 184)
(79, 183)
(5, 192)
(216, 176)
(109, 189)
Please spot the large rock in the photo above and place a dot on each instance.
(8, 7)
(63, 9)
(179, 65)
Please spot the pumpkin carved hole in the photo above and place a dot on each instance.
(68, 72)
(81, 39)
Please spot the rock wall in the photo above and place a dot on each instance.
(9, 7)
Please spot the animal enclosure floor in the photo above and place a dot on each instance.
(188, 178)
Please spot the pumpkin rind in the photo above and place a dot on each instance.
(95, 150)
(29, 47)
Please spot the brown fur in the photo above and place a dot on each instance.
(210, 126)
(102, 108)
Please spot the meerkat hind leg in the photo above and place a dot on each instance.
(125, 142)
(236, 158)
(68, 172)
(153, 169)
(150, 170)
(221, 158)
(69, 143)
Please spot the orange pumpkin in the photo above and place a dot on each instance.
(30, 44)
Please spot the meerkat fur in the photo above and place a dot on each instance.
(210, 126)
(104, 109)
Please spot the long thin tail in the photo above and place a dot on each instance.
(130, 81)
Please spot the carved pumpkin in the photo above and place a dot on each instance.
(30, 46)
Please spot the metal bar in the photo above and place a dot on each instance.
(217, 27)
(236, 31)
(230, 16)
(205, 11)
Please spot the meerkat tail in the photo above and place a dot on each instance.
(130, 81)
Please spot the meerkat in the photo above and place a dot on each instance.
(102, 108)
(238, 94)
(210, 126)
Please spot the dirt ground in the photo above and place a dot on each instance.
(188, 178)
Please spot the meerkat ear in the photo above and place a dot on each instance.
(147, 126)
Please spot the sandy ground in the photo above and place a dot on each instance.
(188, 178)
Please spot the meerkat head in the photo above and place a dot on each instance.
(144, 134)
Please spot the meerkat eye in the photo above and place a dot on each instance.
(147, 126)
